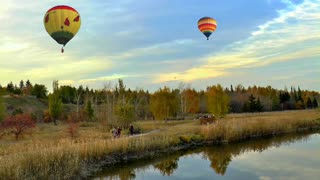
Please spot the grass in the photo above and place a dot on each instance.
(50, 153)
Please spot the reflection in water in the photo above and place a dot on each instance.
(219, 159)
(167, 167)
(219, 156)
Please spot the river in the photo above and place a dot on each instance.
(294, 156)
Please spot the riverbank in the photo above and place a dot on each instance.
(67, 158)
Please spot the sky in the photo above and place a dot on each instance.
(150, 44)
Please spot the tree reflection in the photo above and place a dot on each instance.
(119, 174)
(221, 156)
(219, 159)
(167, 167)
(127, 174)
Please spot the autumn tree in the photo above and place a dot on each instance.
(140, 100)
(78, 97)
(55, 103)
(164, 103)
(182, 97)
(192, 100)
(18, 124)
(238, 97)
(203, 102)
(108, 98)
(218, 100)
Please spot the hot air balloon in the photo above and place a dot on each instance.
(207, 26)
(62, 23)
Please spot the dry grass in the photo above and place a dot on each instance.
(237, 127)
(49, 153)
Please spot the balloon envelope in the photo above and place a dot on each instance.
(62, 23)
(207, 26)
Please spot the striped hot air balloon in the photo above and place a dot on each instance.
(207, 26)
(62, 23)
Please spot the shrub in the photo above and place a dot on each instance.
(73, 129)
(17, 111)
(18, 124)
(46, 116)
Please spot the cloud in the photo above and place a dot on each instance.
(28, 52)
(106, 78)
(156, 49)
(290, 36)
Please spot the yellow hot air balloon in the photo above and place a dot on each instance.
(62, 23)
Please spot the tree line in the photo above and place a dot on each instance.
(117, 104)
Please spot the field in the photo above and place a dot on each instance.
(49, 152)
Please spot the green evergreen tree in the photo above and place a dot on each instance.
(21, 85)
(28, 83)
(259, 106)
(10, 87)
(299, 94)
(89, 111)
(252, 103)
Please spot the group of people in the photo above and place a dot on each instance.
(116, 132)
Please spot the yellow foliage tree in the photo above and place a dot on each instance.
(218, 100)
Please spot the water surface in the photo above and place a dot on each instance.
(285, 157)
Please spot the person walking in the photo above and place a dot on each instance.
(119, 132)
(131, 129)
(114, 132)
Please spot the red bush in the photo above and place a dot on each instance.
(73, 129)
(18, 124)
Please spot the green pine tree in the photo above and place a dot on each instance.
(89, 111)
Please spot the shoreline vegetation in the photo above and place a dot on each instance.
(49, 155)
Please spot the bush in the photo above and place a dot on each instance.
(73, 129)
(18, 124)
(17, 111)
(46, 116)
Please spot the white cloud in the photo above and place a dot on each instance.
(105, 78)
(156, 49)
(294, 34)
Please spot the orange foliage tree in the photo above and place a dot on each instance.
(18, 124)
